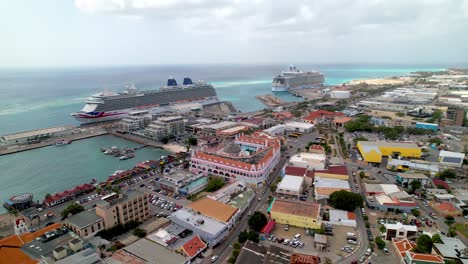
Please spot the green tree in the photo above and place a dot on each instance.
(423, 244)
(416, 212)
(452, 232)
(382, 229)
(400, 114)
(73, 209)
(164, 140)
(236, 245)
(436, 239)
(345, 200)
(449, 220)
(139, 232)
(231, 260)
(436, 140)
(191, 141)
(447, 173)
(214, 184)
(415, 185)
(257, 221)
(328, 261)
(273, 187)
(362, 174)
(380, 242)
(248, 235)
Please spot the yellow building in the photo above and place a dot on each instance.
(373, 151)
(296, 213)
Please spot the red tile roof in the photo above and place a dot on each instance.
(297, 258)
(426, 257)
(321, 114)
(194, 246)
(438, 182)
(351, 216)
(295, 171)
(403, 245)
(339, 170)
(342, 120)
(446, 207)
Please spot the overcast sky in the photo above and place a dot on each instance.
(120, 32)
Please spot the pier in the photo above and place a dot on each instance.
(270, 100)
(78, 134)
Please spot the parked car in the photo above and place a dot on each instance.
(214, 258)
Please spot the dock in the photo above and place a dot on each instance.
(270, 100)
(308, 93)
(80, 134)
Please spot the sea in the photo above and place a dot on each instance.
(39, 98)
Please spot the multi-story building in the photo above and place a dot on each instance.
(135, 121)
(373, 151)
(165, 126)
(291, 186)
(399, 230)
(250, 158)
(85, 224)
(117, 209)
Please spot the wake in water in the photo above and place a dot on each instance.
(24, 107)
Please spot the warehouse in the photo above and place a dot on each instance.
(449, 158)
(373, 151)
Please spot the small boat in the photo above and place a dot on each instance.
(93, 181)
(62, 142)
(123, 157)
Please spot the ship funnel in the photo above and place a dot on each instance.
(171, 82)
(187, 81)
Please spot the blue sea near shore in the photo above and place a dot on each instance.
(37, 98)
(32, 99)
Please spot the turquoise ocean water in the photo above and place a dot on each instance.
(32, 98)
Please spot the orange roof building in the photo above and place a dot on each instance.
(193, 247)
(418, 258)
(297, 258)
(321, 116)
(214, 209)
(10, 247)
(250, 158)
(403, 245)
(446, 209)
(296, 213)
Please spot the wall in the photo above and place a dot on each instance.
(293, 220)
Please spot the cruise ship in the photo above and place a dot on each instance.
(293, 78)
(109, 106)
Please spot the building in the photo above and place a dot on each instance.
(20, 226)
(450, 158)
(388, 198)
(340, 121)
(232, 132)
(291, 186)
(342, 218)
(432, 191)
(405, 179)
(135, 121)
(69, 194)
(209, 229)
(340, 94)
(193, 248)
(323, 188)
(300, 127)
(403, 245)
(373, 151)
(19, 202)
(36, 136)
(333, 172)
(86, 256)
(401, 231)
(258, 122)
(224, 194)
(85, 224)
(165, 126)
(145, 251)
(309, 160)
(297, 258)
(215, 210)
(446, 209)
(214, 129)
(242, 200)
(117, 209)
(414, 165)
(253, 252)
(315, 148)
(49, 244)
(321, 117)
(428, 126)
(250, 158)
(296, 213)
(452, 249)
(418, 258)
(277, 130)
(377, 189)
(182, 182)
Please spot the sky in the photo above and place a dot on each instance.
(58, 33)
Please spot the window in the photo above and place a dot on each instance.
(401, 233)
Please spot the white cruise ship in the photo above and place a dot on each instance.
(293, 78)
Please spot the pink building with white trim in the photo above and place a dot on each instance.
(250, 158)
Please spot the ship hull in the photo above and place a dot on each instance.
(279, 89)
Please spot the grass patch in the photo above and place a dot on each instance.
(462, 228)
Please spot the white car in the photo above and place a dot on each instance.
(214, 258)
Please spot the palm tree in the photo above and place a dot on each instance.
(191, 141)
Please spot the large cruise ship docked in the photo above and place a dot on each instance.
(108, 106)
(293, 78)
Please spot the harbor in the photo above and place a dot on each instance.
(270, 100)
(54, 169)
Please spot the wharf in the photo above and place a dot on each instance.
(80, 134)
(270, 100)
(145, 141)
(308, 93)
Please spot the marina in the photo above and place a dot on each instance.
(121, 153)
(54, 169)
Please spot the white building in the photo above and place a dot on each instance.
(310, 161)
(290, 186)
(301, 127)
(399, 230)
(20, 226)
(275, 130)
(135, 121)
(323, 187)
(449, 158)
(340, 94)
(165, 126)
(224, 194)
(342, 218)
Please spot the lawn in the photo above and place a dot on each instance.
(462, 228)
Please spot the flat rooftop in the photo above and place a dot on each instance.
(221, 125)
(387, 144)
(209, 225)
(292, 183)
(298, 208)
(330, 183)
(242, 199)
(412, 175)
(299, 124)
(153, 253)
(233, 129)
(84, 219)
(213, 209)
